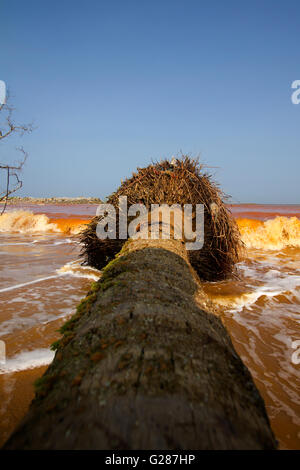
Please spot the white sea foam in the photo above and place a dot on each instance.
(63, 242)
(247, 300)
(18, 243)
(77, 270)
(261, 279)
(18, 286)
(27, 360)
(273, 280)
(26, 222)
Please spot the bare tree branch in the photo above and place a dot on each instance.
(12, 172)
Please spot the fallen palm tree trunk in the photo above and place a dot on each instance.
(144, 365)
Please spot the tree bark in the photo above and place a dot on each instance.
(143, 364)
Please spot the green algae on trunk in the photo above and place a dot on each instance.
(146, 364)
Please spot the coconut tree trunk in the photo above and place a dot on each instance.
(143, 364)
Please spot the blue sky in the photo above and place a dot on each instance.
(114, 84)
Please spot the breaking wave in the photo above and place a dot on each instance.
(272, 234)
(22, 221)
(26, 222)
(74, 268)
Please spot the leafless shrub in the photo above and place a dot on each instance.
(12, 181)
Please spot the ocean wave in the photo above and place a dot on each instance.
(26, 222)
(22, 221)
(272, 234)
(259, 280)
(74, 268)
(238, 303)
